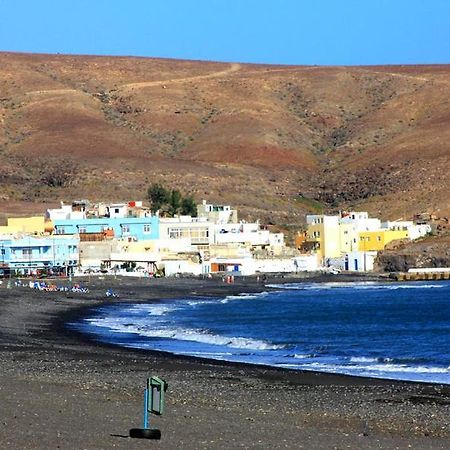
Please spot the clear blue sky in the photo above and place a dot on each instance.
(261, 31)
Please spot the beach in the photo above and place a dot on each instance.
(60, 389)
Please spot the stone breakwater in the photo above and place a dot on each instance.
(421, 276)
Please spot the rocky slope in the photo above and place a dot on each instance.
(275, 141)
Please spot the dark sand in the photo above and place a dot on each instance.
(60, 390)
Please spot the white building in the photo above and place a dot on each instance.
(306, 263)
(242, 233)
(415, 231)
(191, 231)
(116, 210)
(217, 213)
(361, 220)
(65, 212)
(355, 261)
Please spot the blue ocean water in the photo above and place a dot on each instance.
(384, 330)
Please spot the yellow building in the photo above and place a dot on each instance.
(323, 234)
(377, 240)
(31, 225)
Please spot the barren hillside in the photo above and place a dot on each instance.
(275, 141)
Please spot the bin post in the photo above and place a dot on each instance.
(145, 409)
(153, 404)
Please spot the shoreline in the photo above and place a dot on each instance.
(60, 323)
(58, 372)
(76, 317)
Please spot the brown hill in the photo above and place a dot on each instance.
(275, 141)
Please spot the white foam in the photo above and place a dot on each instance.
(363, 359)
(193, 335)
(211, 354)
(197, 302)
(154, 309)
(399, 368)
(214, 339)
(301, 356)
(244, 296)
(159, 310)
(362, 285)
(413, 286)
(370, 370)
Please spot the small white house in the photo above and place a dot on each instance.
(306, 263)
(359, 261)
(173, 267)
(217, 213)
(354, 261)
(65, 212)
(117, 210)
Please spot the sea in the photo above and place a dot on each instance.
(389, 330)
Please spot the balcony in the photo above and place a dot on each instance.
(30, 258)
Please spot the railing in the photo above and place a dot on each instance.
(42, 258)
(31, 258)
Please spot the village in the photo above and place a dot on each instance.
(127, 238)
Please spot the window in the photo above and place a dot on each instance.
(125, 228)
(60, 230)
(174, 233)
(199, 234)
(26, 252)
(379, 238)
(147, 228)
(81, 229)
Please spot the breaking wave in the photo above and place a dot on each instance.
(380, 330)
(181, 334)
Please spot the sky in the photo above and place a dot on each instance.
(322, 32)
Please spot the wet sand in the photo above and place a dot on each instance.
(59, 389)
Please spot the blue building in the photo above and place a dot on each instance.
(30, 255)
(135, 228)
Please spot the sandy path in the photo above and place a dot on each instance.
(143, 84)
(234, 67)
(54, 91)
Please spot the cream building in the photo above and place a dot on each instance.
(36, 225)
